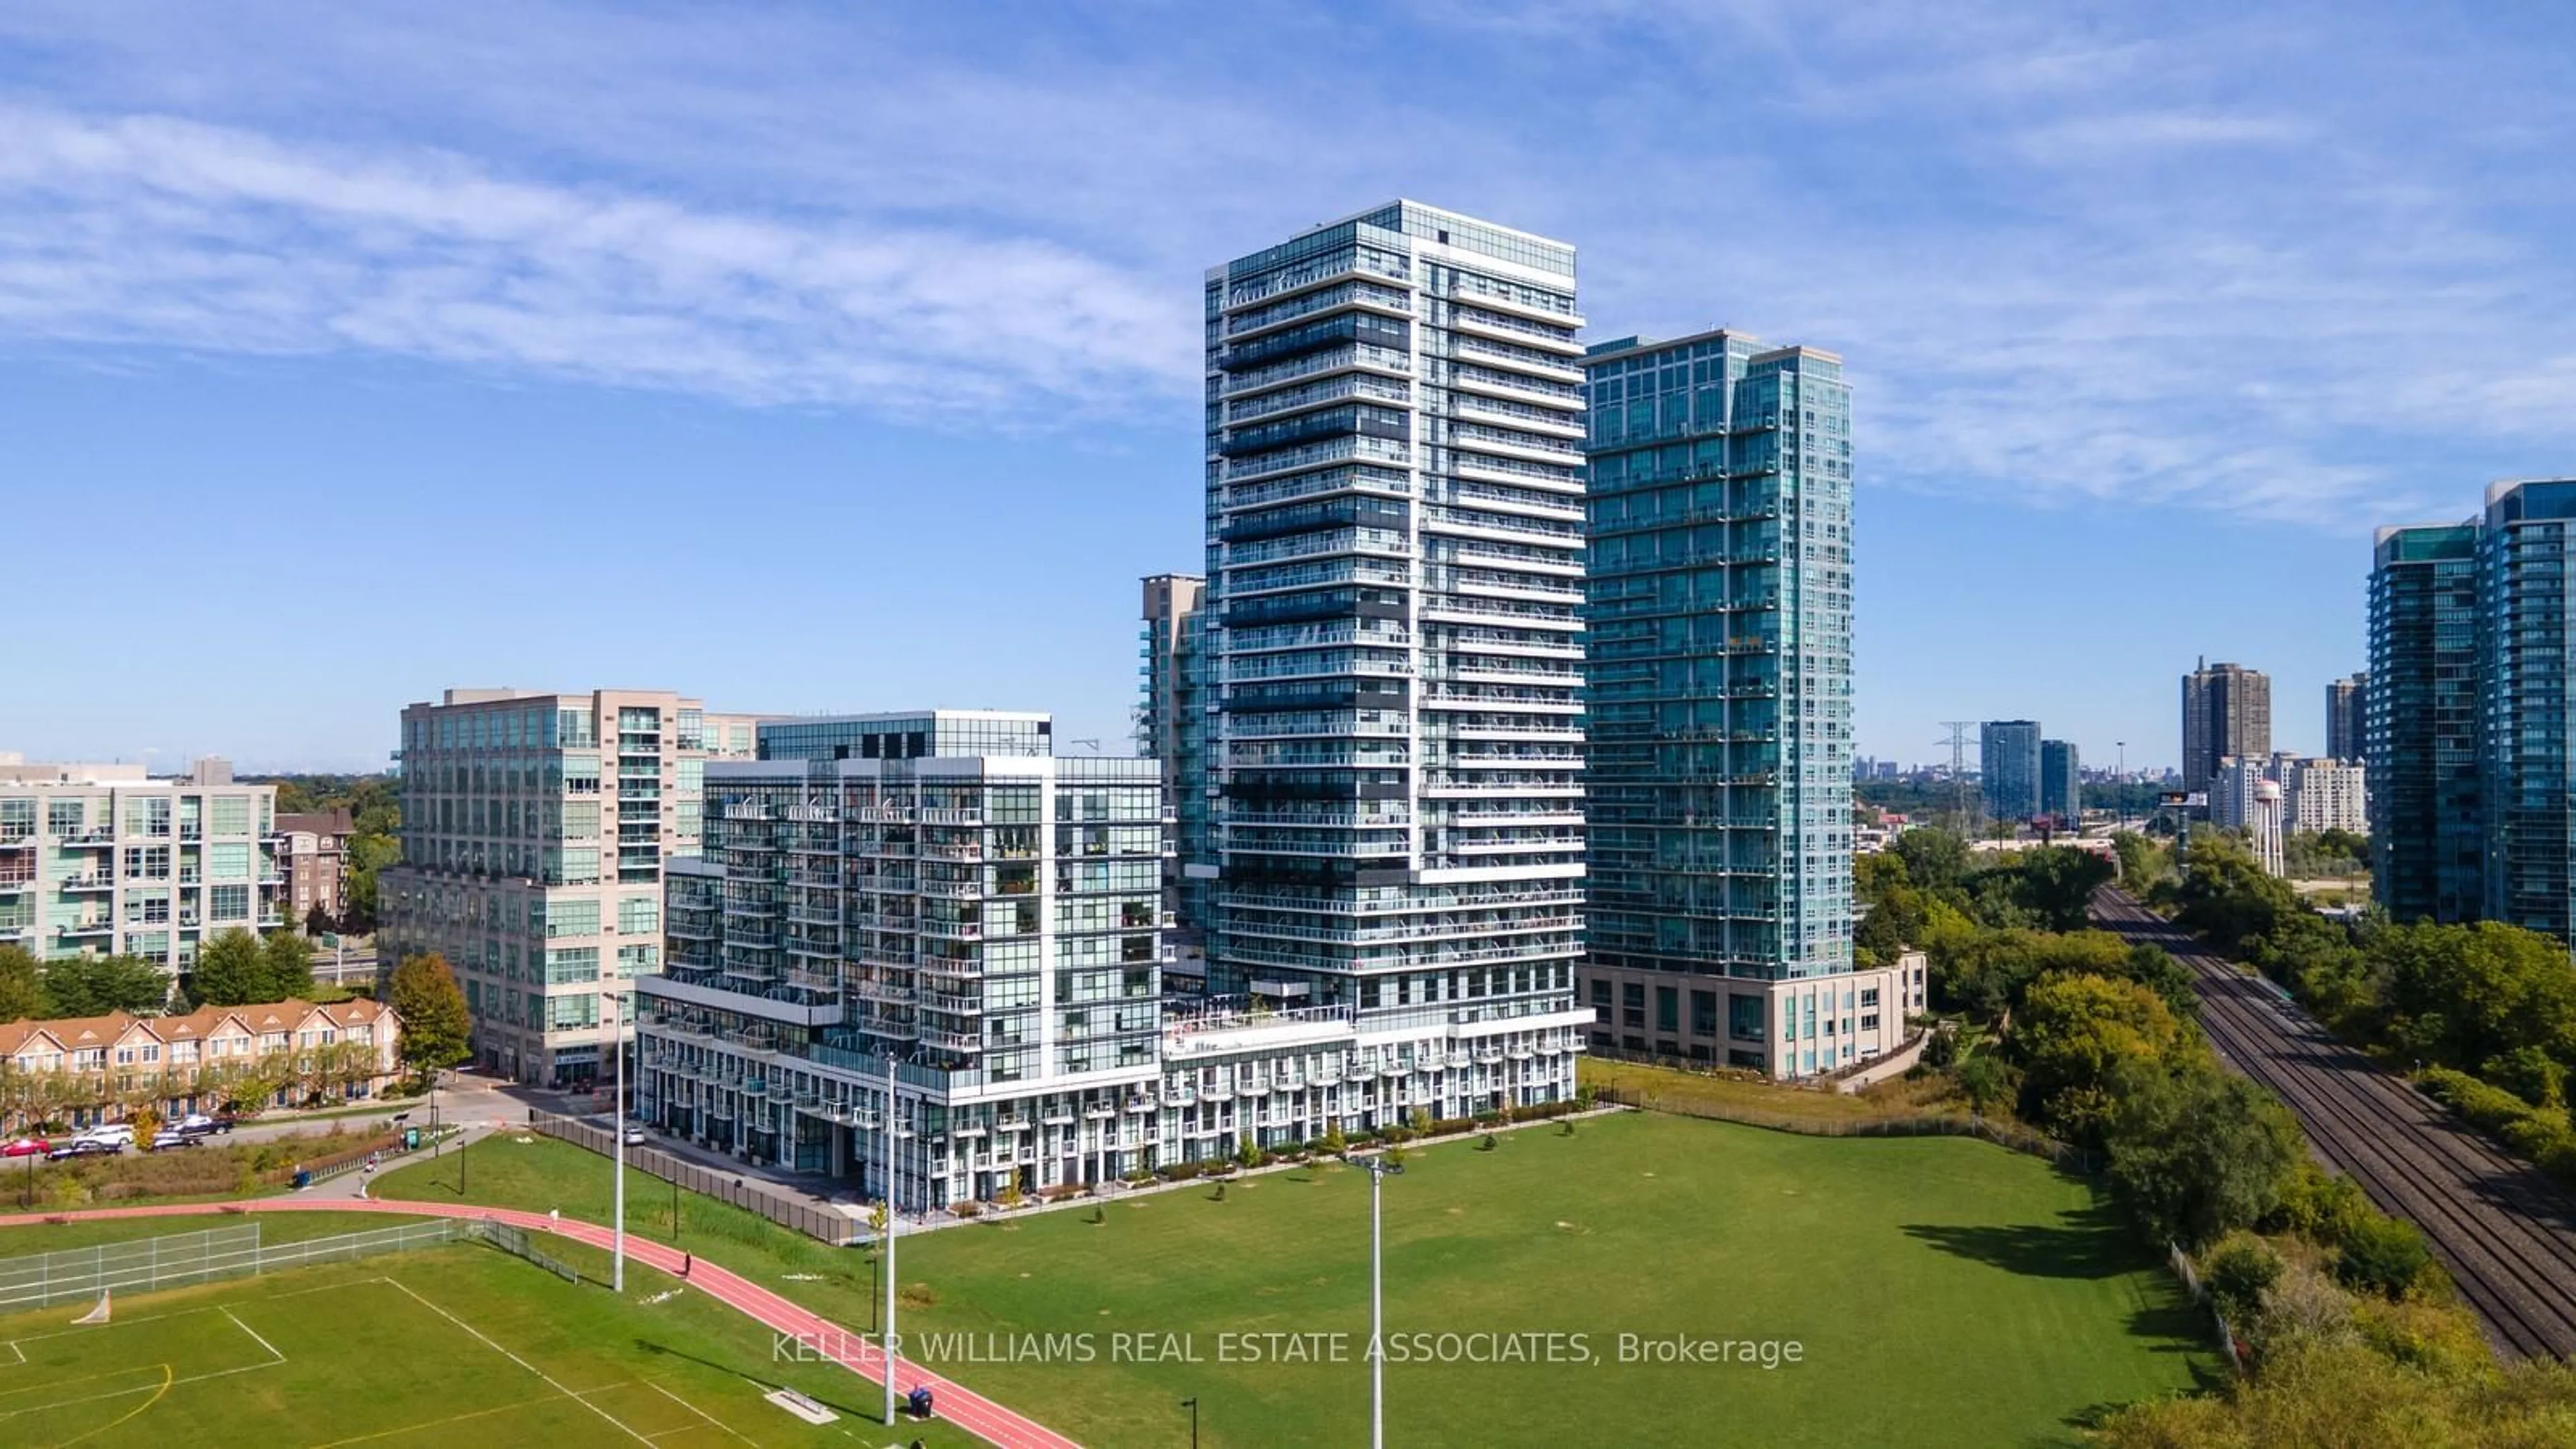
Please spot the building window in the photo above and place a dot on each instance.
(1703, 1014)
(1632, 1001)
(228, 903)
(1747, 1018)
(1668, 1009)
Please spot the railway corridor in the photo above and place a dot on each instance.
(2504, 1229)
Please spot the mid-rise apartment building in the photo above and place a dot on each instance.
(2226, 710)
(2327, 794)
(313, 856)
(1395, 591)
(2008, 775)
(102, 859)
(2311, 795)
(535, 830)
(987, 929)
(1718, 650)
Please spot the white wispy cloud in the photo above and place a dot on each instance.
(160, 230)
(2209, 260)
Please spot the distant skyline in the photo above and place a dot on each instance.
(349, 354)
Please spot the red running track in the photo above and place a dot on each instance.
(817, 1336)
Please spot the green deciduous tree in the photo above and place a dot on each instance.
(22, 984)
(2224, 894)
(2196, 1152)
(1935, 860)
(285, 967)
(2074, 1032)
(2142, 861)
(231, 970)
(2056, 884)
(2383, 1255)
(2463, 995)
(97, 985)
(368, 855)
(2238, 1272)
(436, 1031)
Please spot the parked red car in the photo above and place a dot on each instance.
(26, 1147)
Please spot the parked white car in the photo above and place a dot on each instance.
(121, 1134)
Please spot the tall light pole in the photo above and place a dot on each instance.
(886, 1249)
(2120, 798)
(617, 1128)
(1379, 1170)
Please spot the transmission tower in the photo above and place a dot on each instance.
(1960, 820)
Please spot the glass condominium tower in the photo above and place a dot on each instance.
(2420, 722)
(1395, 580)
(1721, 694)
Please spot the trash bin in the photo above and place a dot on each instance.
(411, 1139)
(303, 1179)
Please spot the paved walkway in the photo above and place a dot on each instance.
(815, 1335)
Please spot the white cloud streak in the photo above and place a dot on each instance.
(2226, 263)
(157, 230)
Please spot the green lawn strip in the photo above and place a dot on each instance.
(525, 1170)
(1944, 1291)
(363, 1357)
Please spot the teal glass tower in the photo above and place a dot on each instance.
(2420, 723)
(2525, 766)
(1719, 666)
(2009, 768)
(2061, 783)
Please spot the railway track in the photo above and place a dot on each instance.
(2506, 1232)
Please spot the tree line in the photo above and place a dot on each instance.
(2355, 1336)
(2482, 1015)
(233, 968)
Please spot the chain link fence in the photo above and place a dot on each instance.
(518, 1243)
(180, 1259)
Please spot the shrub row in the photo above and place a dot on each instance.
(2538, 1134)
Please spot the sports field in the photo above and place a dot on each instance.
(443, 1346)
(1942, 1291)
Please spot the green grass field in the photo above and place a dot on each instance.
(443, 1346)
(1943, 1291)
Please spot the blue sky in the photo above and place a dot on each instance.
(835, 357)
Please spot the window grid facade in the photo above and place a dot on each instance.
(1394, 617)
(535, 830)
